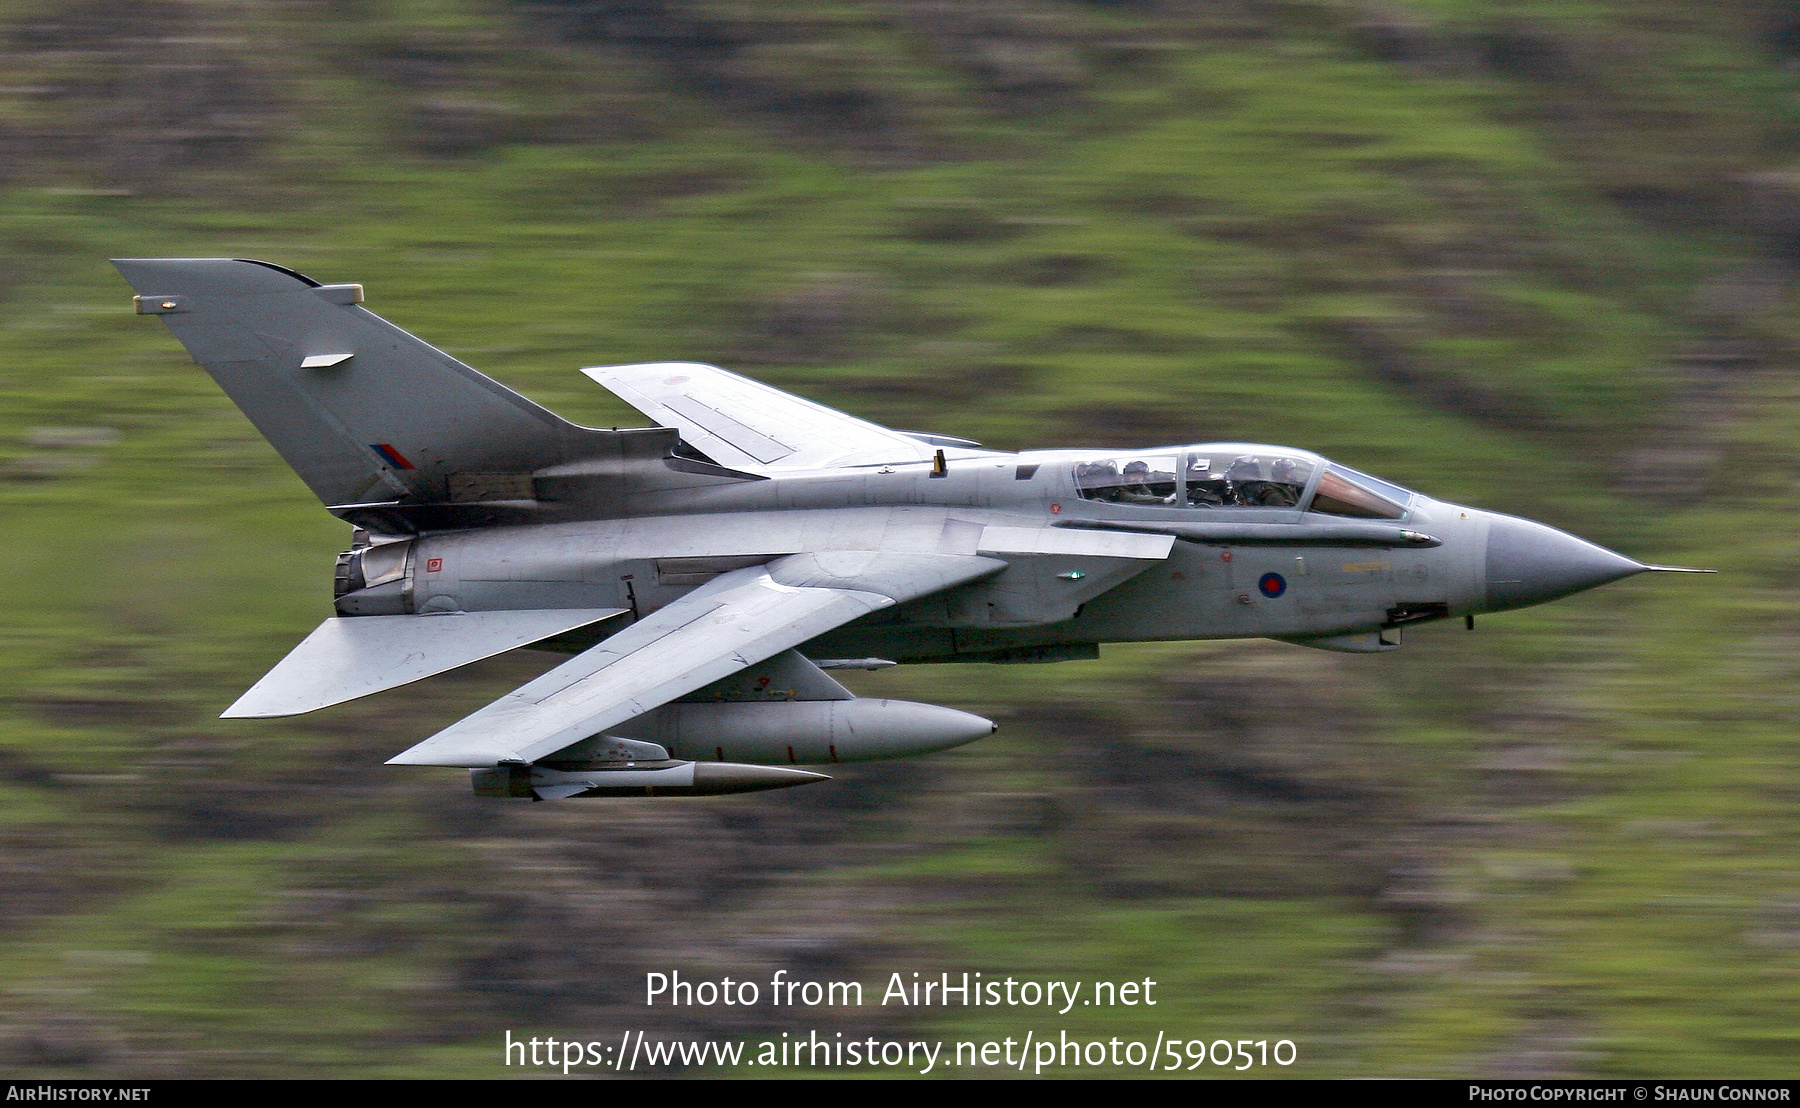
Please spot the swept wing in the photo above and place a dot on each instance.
(739, 422)
(729, 624)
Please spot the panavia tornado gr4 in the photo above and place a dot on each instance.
(706, 573)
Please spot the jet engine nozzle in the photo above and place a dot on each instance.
(1529, 563)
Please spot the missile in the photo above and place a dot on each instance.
(681, 749)
(665, 777)
(867, 663)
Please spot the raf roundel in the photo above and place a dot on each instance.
(1272, 585)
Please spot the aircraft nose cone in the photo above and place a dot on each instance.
(1529, 563)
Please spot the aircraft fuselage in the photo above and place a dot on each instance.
(1234, 570)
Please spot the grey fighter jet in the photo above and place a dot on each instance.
(706, 573)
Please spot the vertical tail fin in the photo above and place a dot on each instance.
(362, 410)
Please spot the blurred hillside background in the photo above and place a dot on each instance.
(1536, 256)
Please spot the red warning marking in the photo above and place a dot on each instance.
(833, 748)
(1056, 509)
(790, 754)
(1225, 556)
(720, 751)
(432, 565)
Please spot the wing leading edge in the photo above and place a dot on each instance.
(733, 622)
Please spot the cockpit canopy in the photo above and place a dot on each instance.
(1238, 476)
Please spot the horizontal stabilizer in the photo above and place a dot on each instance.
(350, 657)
